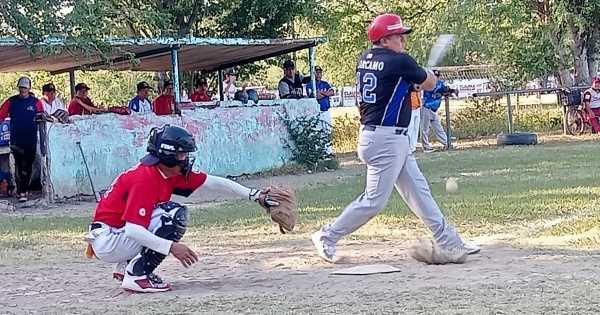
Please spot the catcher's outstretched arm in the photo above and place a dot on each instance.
(226, 186)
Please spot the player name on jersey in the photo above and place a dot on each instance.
(375, 65)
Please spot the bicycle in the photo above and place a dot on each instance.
(576, 117)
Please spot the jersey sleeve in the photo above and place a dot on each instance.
(185, 186)
(4, 110)
(140, 204)
(409, 69)
(284, 89)
(133, 104)
(39, 106)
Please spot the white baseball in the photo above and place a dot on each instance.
(451, 185)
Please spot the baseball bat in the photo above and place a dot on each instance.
(87, 170)
(439, 49)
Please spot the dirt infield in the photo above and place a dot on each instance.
(286, 277)
(250, 269)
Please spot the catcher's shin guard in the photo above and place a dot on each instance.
(174, 221)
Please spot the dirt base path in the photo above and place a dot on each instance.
(286, 277)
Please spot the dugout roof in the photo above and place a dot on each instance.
(153, 54)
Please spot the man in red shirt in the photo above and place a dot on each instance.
(165, 103)
(136, 226)
(201, 92)
(81, 104)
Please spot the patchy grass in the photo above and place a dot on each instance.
(548, 191)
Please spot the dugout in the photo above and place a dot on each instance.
(56, 56)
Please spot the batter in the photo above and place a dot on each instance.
(385, 74)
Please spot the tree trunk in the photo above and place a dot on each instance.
(582, 72)
(564, 75)
(580, 53)
(593, 67)
(594, 54)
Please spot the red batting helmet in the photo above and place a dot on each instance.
(595, 80)
(384, 25)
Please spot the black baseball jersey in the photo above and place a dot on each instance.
(384, 81)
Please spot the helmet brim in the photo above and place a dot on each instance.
(149, 160)
(400, 30)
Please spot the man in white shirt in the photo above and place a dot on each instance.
(53, 105)
(49, 100)
(140, 103)
(229, 87)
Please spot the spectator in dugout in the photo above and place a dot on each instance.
(164, 104)
(140, 104)
(81, 104)
(53, 105)
(229, 87)
(200, 94)
(291, 85)
(22, 110)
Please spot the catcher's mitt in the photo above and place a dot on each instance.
(280, 203)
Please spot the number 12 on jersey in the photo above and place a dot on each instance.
(367, 84)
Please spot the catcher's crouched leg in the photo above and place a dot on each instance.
(173, 224)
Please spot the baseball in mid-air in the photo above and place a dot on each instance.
(451, 185)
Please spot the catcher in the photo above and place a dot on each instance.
(135, 225)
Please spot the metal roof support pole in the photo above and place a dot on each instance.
(564, 112)
(72, 82)
(220, 84)
(311, 64)
(175, 74)
(510, 113)
(448, 120)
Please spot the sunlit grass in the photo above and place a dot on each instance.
(505, 190)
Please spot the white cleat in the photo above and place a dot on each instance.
(324, 250)
(144, 284)
(427, 251)
(456, 255)
(471, 248)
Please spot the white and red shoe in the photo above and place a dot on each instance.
(145, 284)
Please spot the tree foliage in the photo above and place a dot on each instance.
(528, 38)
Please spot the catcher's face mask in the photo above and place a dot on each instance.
(185, 160)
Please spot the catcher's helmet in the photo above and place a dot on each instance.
(385, 25)
(163, 145)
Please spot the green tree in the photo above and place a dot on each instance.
(534, 37)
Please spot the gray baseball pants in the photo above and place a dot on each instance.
(390, 164)
(430, 119)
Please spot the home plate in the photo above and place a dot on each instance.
(366, 270)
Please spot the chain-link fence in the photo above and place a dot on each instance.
(480, 116)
